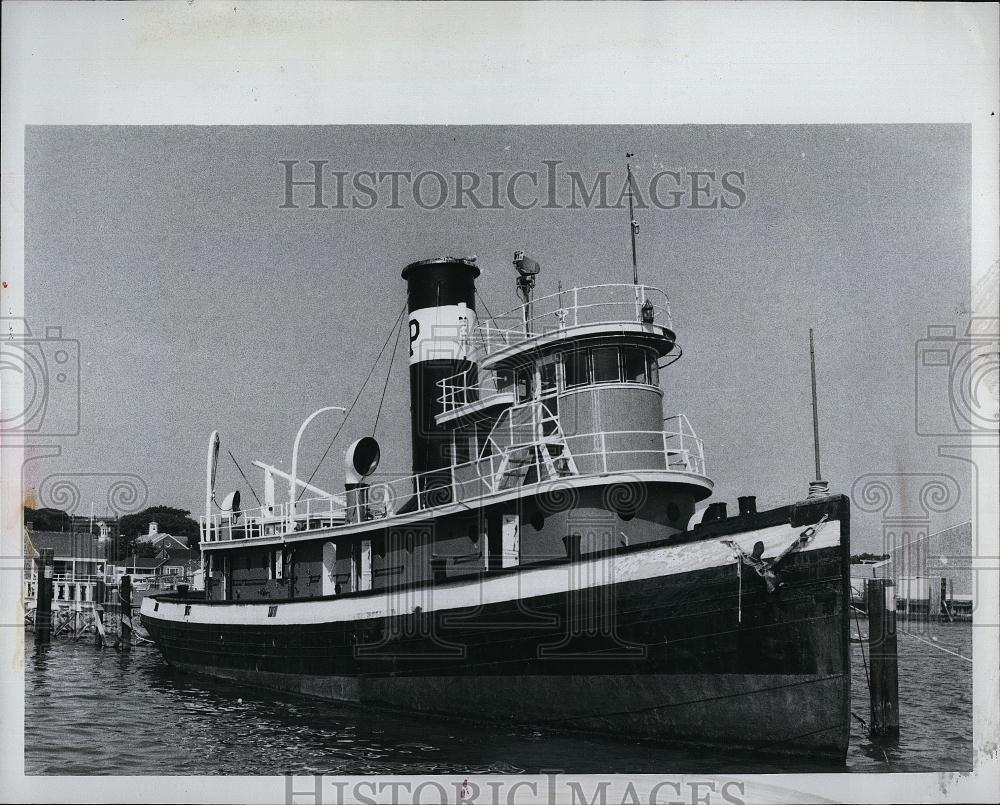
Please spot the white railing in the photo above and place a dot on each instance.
(686, 441)
(576, 307)
(469, 386)
(599, 453)
(66, 587)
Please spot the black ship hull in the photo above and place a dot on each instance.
(681, 643)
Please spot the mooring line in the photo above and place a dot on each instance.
(935, 645)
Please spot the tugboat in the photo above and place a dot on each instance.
(551, 560)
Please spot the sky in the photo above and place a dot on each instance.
(200, 304)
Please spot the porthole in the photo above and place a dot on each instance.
(673, 512)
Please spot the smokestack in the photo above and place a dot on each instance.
(441, 300)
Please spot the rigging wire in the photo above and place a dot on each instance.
(388, 374)
(489, 313)
(356, 398)
(243, 475)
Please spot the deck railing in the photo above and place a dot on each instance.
(599, 453)
(469, 386)
(576, 307)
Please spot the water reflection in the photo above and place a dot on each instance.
(91, 711)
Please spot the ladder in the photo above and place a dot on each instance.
(545, 447)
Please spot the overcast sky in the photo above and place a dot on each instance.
(199, 303)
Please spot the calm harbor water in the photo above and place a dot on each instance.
(90, 711)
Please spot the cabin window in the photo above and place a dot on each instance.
(274, 561)
(575, 364)
(634, 364)
(606, 365)
(504, 379)
(522, 383)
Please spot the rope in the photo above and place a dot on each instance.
(388, 374)
(243, 475)
(935, 645)
(356, 398)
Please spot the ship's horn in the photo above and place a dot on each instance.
(361, 459)
(231, 503)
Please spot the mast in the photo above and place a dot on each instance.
(812, 366)
(634, 227)
(527, 271)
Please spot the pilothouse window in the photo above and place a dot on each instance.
(606, 365)
(634, 364)
(547, 376)
(575, 364)
(653, 369)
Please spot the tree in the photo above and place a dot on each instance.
(46, 519)
(168, 521)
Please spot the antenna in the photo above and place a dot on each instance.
(634, 227)
(812, 366)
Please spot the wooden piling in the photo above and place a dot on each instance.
(125, 593)
(43, 598)
(100, 593)
(880, 595)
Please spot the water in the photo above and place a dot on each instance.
(90, 711)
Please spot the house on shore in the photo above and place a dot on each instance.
(160, 540)
(177, 566)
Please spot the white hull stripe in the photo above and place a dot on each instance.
(529, 583)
